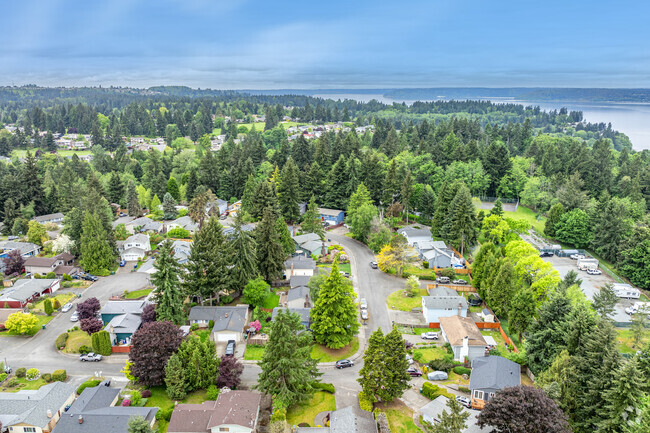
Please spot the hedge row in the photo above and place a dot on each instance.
(327, 387)
(101, 343)
(61, 340)
(87, 384)
(365, 402)
(59, 375)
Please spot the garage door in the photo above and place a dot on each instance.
(226, 337)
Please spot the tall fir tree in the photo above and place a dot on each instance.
(372, 375)
(175, 378)
(396, 364)
(96, 253)
(169, 299)
(311, 219)
(264, 198)
(460, 228)
(132, 200)
(169, 207)
(115, 188)
(270, 252)
(623, 401)
(174, 189)
(288, 191)
(281, 228)
(243, 255)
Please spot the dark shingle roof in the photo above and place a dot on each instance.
(352, 420)
(225, 318)
(444, 302)
(298, 293)
(494, 372)
(30, 407)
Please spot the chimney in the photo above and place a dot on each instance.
(226, 315)
(292, 265)
(460, 309)
(81, 419)
(49, 413)
(464, 351)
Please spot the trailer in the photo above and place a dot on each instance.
(587, 263)
(626, 291)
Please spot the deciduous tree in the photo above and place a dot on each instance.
(152, 345)
(21, 323)
(396, 255)
(256, 291)
(230, 370)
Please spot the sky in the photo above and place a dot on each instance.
(245, 44)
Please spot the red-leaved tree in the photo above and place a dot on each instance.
(14, 262)
(153, 344)
(148, 313)
(230, 371)
(88, 308)
(91, 325)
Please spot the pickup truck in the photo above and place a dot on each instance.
(91, 357)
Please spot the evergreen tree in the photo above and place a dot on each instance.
(175, 378)
(311, 220)
(454, 421)
(334, 316)
(96, 253)
(270, 252)
(115, 188)
(248, 195)
(199, 204)
(361, 213)
(199, 361)
(623, 400)
(138, 424)
(497, 209)
(31, 186)
(207, 269)
(132, 200)
(459, 228)
(281, 228)
(446, 194)
(264, 198)
(169, 300)
(611, 229)
(169, 207)
(501, 293)
(243, 257)
(605, 301)
(336, 196)
(395, 364)
(289, 191)
(372, 376)
(173, 189)
(521, 312)
(288, 371)
(191, 185)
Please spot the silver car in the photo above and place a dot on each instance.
(465, 401)
(430, 335)
(67, 307)
(363, 304)
(74, 317)
(364, 314)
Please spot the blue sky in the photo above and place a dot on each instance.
(249, 44)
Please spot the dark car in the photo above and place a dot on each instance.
(89, 277)
(545, 254)
(342, 363)
(474, 301)
(414, 372)
(230, 348)
(122, 263)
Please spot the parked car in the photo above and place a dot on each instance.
(91, 357)
(474, 300)
(594, 271)
(363, 304)
(374, 265)
(67, 307)
(122, 214)
(459, 281)
(230, 348)
(343, 363)
(465, 401)
(437, 375)
(122, 263)
(577, 256)
(364, 314)
(546, 254)
(443, 280)
(74, 317)
(414, 372)
(345, 274)
(631, 310)
(89, 277)
(430, 335)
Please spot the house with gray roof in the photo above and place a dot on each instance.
(310, 244)
(122, 319)
(143, 224)
(301, 239)
(347, 420)
(95, 411)
(184, 222)
(299, 265)
(229, 322)
(299, 297)
(27, 290)
(432, 413)
(55, 218)
(442, 291)
(304, 313)
(441, 258)
(35, 410)
(299, 280)
(416, 234)
(27, 249)
(435, 307)
(490, 374)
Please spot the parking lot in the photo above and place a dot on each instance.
(591, 284)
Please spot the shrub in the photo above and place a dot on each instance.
(21, 372)
(178, 233)
(211, 325)
(2, 327)
(47, 306)
(227, 299)
(448, 348)
(87, 384)
(61, 340)
(56, 304)
(365, 401)
(164, 414)
(12, 382)
(3, 376)
(213, 392)
(67, 277)
(425, 264)
(441, 365)
(430, 391)
(126, 402)
(194, 327)
(462, 370)
(463, 389)
(279, 414)
(520, 358)
(32, 374)
(101, 342)
(50, 275)
(146, 393)
(85, 349)
(417, 356)
(59, 375)
(136, 397)
(327, 387)
(448, 272)
(47, 377)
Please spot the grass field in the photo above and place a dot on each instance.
(625, 341)
(305, 413)
(271, 301)
(76, 339)
(397, 300)
(400, 417)
(62, 298)
(323, 354)
(159, 398)
(253, 352)
(24, 384)
(429, 354)
(21, 153)
(137, 294)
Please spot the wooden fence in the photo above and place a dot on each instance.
(486, 325)
(121, 349)
(457, 287)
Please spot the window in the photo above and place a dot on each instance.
(29, 429)
(224, 429)
(478, 395)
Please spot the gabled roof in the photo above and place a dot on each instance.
(124, 323)
(139, 222)
(435, 252)
(304, 313)
(140, 238)
(224, 318)
(23, 247)
(25, 289)
(301, 239)
(429, 244)
(329, 212)
(134, 250)
(300, 262)
(352, 420)
(298, 293)
(299, 280)
(415, 232)
(123, 307)
(30, 407)
(41, 261)
(442, 291)
(494, 372)
(456, 328)
(444, 302)
(48, 217)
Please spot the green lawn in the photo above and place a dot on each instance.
(24, 384)
(159, 397)
(501, 344)
(271, 301)
(625, 341)
(305, 413)
(253, 352)
(397, 300)
(203, 334)
(429, 354)
(76, 339)
(62, 298)
(76, 284)
(400, 417)
(21, 153)
(528, 215)
(323, 354)
(416, 331)
(42, 320)
(137, 294)
(345, 267)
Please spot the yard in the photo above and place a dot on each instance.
(305, 413)
(319, 352)
(75, 284)
(42, 320)
(63, 298)
(397, 300)
(76, 339)
(24, 384)
(428, 354)
(271, 301)
(400, 417)
(456, 379)
(159, 397)
(625, 341)
(253, 352)
(416, 331)
(137, 294)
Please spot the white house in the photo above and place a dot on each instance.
(464, 337)
(184, 222)
(435, 307)
(416, 234)
(299, 265)
(134, 247)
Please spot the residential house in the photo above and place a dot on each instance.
(26, 291)
(36, 411)
(304, 313)
(59, 264)
(439, 258)
(233, 411)
(347, 420)
(299, 265)
(491, 374)
(220, 207)
(54, 218)
(27, 249)
(229, 322)
(134, 248)
(181, 254)
(299, 297)
(416, 234)
(423, 246)
(143, 224)
(436, 307)
(309, 244)
(122, 319)
(464, 337)
(432, 413)
(184, 222)
(331, 216)
(95, 411)
(299, 280)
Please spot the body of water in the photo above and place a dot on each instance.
(630, 119)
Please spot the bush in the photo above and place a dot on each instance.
(50, 275)
(21, 372)
(85, 349)
(101, 342)
(463, 389)
(2, 327)
(87, 384)
(12, 382)
(32, 374)
(462, 370)
(164, 414)
(146, 393)
(213, 392)
(178, 233)
(47, 306)
(430, 391)
(448, 348)
(47, 377)
(67, 277)
(136, 397)
(417, 356)
(279, 414)
(365, 401)
(59, 375)
(211, 325)
(441, 365)
(227, 299)
(194, 327)
(448, 272)
(61, 340)
(425, 264)
(3, 376)
(520, 358)
(327, 387)
(56, 304)
(126, 402)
